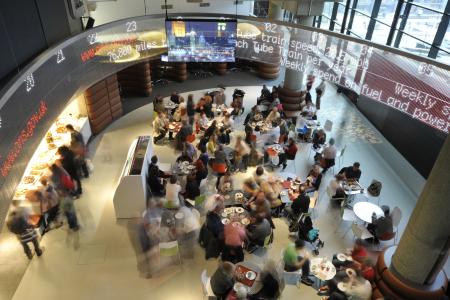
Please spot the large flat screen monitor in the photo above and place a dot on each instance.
(201, 40)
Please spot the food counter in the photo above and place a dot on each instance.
(131, 194)
(45, 155)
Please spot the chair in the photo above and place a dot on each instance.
(340, 156)
(396, 216)
(385, 238)
(328, 126)
(330, 195)
(170, 249)
(206, 286)
(347, 215)
(361, 232)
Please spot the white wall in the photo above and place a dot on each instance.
(115, 10)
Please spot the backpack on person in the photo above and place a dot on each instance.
(374, 188)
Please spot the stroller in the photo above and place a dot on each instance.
(308, 233)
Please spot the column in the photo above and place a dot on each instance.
(276, 12)
(427, 234)
(413, 269)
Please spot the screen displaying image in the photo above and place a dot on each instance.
(201, 40)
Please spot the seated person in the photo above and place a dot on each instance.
(222, 280)
(319, 138)
(204, 157)
(357, 287)
(154, 165)
(308, 111)
(201, 171)
(259, 175)
(257, 231)
(254, 157)
(192, 189)
(249, 187)
(185, 131)
(265, 96)
(221, 162)
(214, 221)
(337, 191)
(234, 237)
(224, 137)
(155, 183)
(172, 193)
(190, 151)
(313, 180)
(211, 146)
(296, 257)
(274, 115)
(160, 127)
(299, 205)
(261, 206)
(225, 183)
(381, 226)
(252, 115)
(273, 135)
(272, 191)
(208, 106)
(290, 151)
(352, 172)
(211, 129)
(328, 155)
(184, 157)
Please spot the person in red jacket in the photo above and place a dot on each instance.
(289, 153)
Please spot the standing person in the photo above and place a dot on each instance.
(296, 257)
(201, 171)
(173, 190)
(78, 146)
(67, 159)
(221, 163)
(299, 205)
(185, 131)
(182, 108)
(190, 109)
(18, 224)
(68, 208)
(234, 237)
(49, 203)
(320, 90)
(241, 152)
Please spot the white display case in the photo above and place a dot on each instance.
(131, 194)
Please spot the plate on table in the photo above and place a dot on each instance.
(227, 197)
(245, 221)
(343, 257)
(179, 215)
(342, 286)
(250, 275)
(225, 221)
(350, 272)
(224, 214)
(229, 210)
(239, 210)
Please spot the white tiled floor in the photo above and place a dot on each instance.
(105, 265)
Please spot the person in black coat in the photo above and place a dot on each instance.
(67, 158)
(192, 189)
(155, 183)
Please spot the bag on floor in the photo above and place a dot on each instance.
(374, 188)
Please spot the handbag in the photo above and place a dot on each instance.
(67, 182)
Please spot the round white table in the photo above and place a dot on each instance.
(364, 211)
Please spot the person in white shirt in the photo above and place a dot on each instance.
(203, 122)
(160, 127)
(273, 134)
(329, 155)
(309, 110)
(173, 190)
